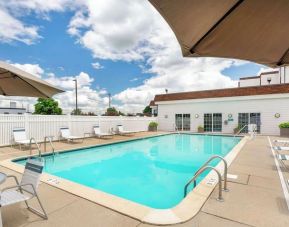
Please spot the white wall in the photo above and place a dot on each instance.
(267, 107)
(285, 74)
(275, 78)
(250, 82)
(12, 111)
(39, 126)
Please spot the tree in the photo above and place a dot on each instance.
(47, 106)
(76, 112)
(121, 113)
(147, 110)
(111, 112)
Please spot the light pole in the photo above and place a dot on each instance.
(76, 107)
(109, 100)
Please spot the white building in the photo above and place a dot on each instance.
(13, 109)
(279, 76)
(222, 110)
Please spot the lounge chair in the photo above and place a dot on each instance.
(19, 136)
(283, 142)
(121, 131)
(26, 190)
(283, 157)
(98, 133)
(281, 148)
(65, 134)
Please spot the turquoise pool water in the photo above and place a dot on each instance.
(151, 171)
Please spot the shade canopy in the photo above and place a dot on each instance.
(254, 30)
(16, 82)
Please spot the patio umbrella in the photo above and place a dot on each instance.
(16, 82)
(254, 30)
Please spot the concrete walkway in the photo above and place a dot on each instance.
(255, 198)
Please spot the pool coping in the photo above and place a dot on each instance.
(182, 212)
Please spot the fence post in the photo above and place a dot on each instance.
(26, 124)
(69, 121)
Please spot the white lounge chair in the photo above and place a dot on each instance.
(26, 190)
(65, 134)
(283, 157)
(281, 148)
(121, 131)
(283, 142)
(98, 133)
(19, 137)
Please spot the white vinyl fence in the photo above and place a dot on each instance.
(39, 126)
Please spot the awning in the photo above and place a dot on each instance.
(16, 82)
(254, 30)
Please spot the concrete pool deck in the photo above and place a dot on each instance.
(255, 198)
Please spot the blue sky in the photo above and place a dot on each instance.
(138, 56)
(57, 52)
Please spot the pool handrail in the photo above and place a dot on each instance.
(220, 196)
(37, 145)
(50, 142)
(225, 169)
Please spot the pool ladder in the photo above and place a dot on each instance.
(205, 167)
(51, 144)
(37, 146)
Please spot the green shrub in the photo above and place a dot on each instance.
(153, 124)
(200, 127)
(284, 125)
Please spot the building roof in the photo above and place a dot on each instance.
(249, 77)
(152, 103)
(228, 92)
(257, 77)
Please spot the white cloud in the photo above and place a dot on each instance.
(116, 32)
(12, 29)
(133, 31)
(34, 69)
(126, 30)
(89, 99)
(11, 12)
(20, 7)
(97, 65)
(134, 79)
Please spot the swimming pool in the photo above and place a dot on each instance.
(151, 171)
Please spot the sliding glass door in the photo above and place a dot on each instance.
(179, 121)
(213, 122)
(183, 122)
(249, 118)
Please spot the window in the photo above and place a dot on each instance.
(249, 118)
(208, 122)
(243, 120)
(179, 121)
(213, 122)
(186, 122)
(183, 122)
(255, 118)
(217, 122)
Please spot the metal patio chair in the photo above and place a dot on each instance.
(20, 137)
(64, 133)
(26, 190)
